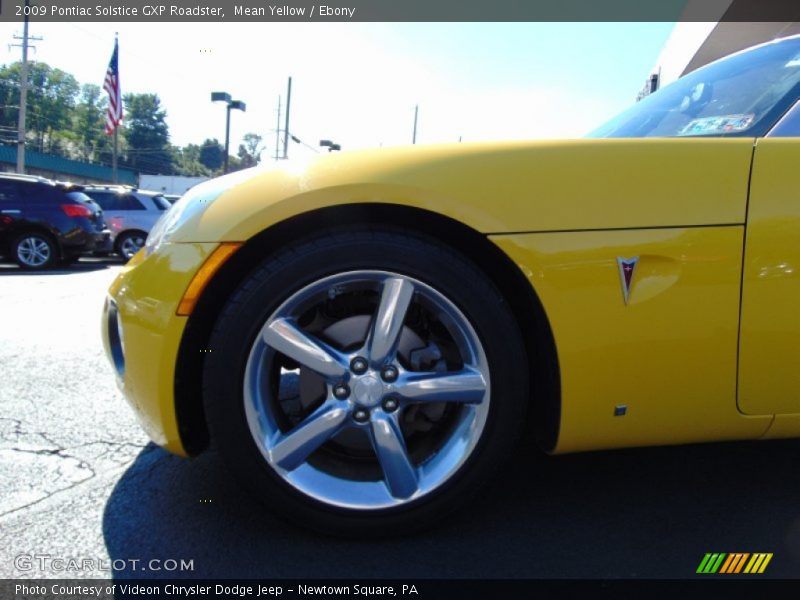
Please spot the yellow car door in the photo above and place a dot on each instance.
(651, 359)
(769, 363)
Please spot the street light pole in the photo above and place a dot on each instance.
(227, 136)
(229, 104)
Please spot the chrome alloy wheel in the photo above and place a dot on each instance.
(131, 245)
(33, 251)
(366, 390)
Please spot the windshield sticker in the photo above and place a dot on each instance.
(795, 62)
(719, 124)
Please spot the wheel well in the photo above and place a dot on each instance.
(545, 412)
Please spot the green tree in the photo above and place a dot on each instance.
(88, 124)
(212, 154)
(147, 133)
(9, 101)
(187, 161)
(234, 164)
(250, 150)
(52, 95)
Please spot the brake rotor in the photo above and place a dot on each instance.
(413, 353)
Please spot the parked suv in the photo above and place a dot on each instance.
(43, 222)
(130, 214)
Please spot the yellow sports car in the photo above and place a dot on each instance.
(365, 337)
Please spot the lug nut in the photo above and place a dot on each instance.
(341, 391)
(359, 365)
(361, 415)
(390, 404)
(389, 373)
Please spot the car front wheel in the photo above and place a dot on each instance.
(366, 382)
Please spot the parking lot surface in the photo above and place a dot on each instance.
(78, 479)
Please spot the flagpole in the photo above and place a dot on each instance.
(114, 158)
(116, 136)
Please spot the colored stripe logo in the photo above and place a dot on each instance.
(735, 562)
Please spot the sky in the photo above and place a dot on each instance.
(358, 83)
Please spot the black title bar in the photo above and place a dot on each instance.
(241, 11)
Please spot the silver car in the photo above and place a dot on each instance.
(129, 214)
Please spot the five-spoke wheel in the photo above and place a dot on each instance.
(34, 251)
(365, 380)
(374, 384)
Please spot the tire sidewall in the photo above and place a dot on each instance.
(450, 274)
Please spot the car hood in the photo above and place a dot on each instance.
(498, 187)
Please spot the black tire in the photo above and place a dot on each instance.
(310, 260)
(22, 245)
(124, 238)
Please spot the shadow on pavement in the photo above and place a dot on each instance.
(633, 513)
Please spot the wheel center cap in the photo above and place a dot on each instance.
(368, 391)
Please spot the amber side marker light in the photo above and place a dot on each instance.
(192, 294)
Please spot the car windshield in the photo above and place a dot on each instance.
(742, 95)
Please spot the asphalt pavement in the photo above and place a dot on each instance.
(79, 480)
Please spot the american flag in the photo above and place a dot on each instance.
(111, 85)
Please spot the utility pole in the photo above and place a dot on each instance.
(286, 128)
(23, 90)
(278, 132)
(414, 135)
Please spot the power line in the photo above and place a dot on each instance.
(159, 66)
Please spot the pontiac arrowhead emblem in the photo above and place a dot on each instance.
(626, 268)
